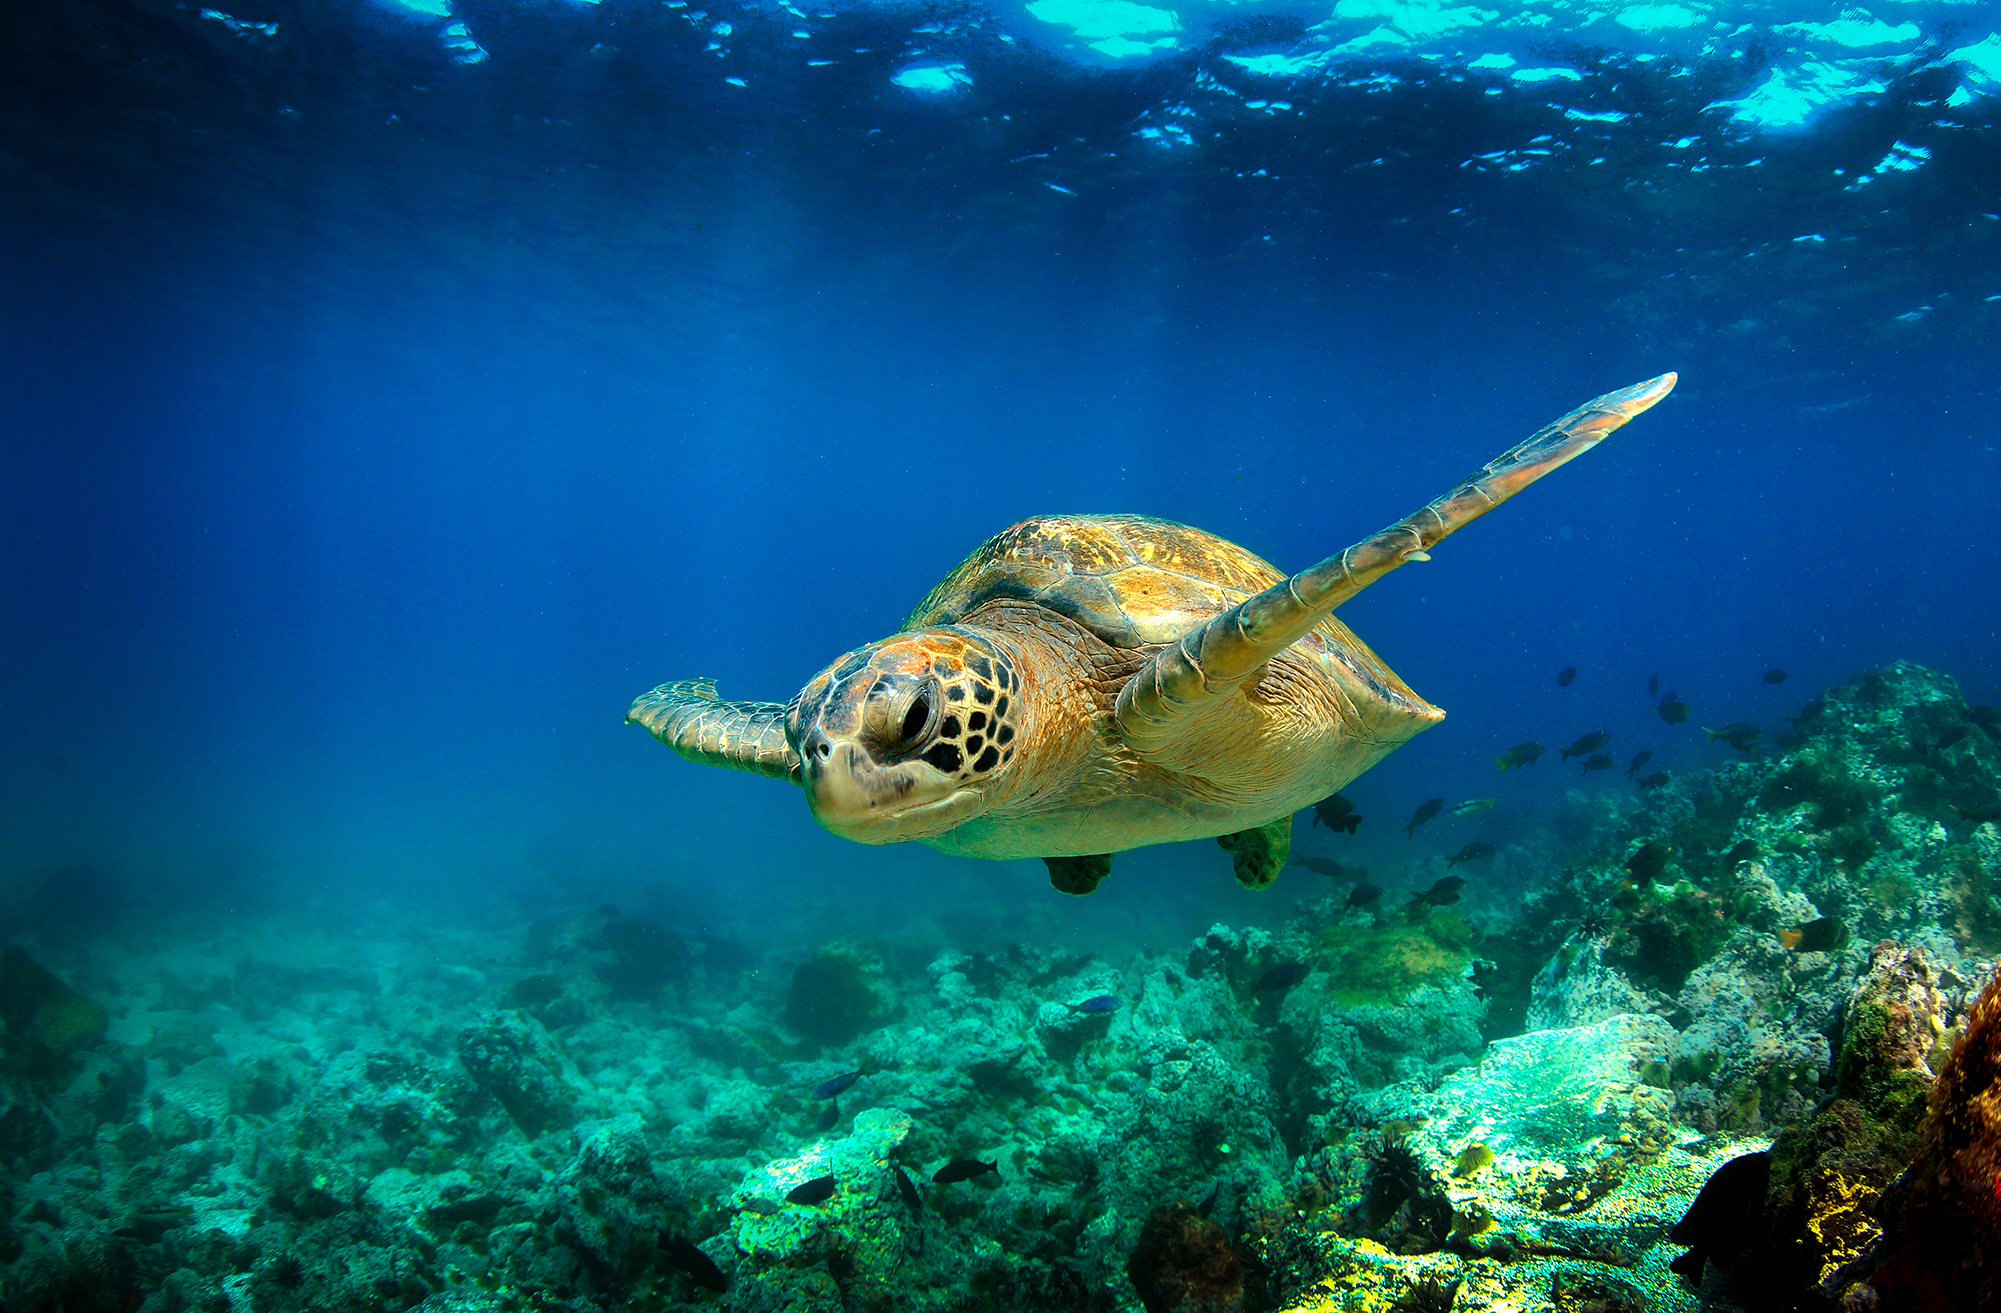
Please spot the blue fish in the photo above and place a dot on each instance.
(1102, 1003)
(828, 1089)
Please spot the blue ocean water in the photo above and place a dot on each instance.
(393, 391)
(385, 411)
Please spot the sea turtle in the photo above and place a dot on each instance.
(1085, 684)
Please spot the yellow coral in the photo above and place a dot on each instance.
(1841, 1220)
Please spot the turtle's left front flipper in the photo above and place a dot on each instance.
(1214, 659)
(688, 717)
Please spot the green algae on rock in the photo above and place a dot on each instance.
(838, 993)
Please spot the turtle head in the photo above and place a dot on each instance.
(906, 738)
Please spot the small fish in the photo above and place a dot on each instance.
(1281, 977)
(763, 1207)
(1473, 806)
(1656, 780)
(1987, 718)
(701, 1269)
(1446, 892)
(1746, 850)
(1639, 759)
(816, 1191)
(964, 1169)
(1653, 685)
(1321, 866)
(1673, 710)
(1597, 761)
(1979, 814)
(1589, 743)
(839, 1085)
(1097, 1003)
(911, 1199)
(148, 1225)
(1337, 814)
(1522, 754)
(1566, 676)
(1208, 1204)
(1740, 736)
(1815, 936)
(831, 1118)
(1808, 712)
(1472, 852)
(1648, 860)
(1424, 813)
(1775, 676)
(1363, 895)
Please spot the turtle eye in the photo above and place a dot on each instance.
(915, 719)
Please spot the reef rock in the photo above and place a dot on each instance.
(1554, 1165)
(1942, 1243)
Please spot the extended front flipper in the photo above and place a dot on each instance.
(1215, 658)
(687, 716)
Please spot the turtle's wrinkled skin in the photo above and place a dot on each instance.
(1085, 684)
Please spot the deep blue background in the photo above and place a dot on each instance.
(336, 543)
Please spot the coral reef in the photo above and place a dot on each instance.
(1183, 1263)
(1505, 1102)
(1942, 1223)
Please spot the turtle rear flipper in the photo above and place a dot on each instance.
(687, 716)
(1158, 704)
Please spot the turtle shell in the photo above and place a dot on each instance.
(1132, 580)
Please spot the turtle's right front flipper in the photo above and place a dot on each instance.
(1159, 705)
(688, 717)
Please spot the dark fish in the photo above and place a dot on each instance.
(1673, 710)
(1745, 851)
(1808, 712)
(1986, 717)
(828, 1089)
(1321, 866)
(1363, 895)
(1424, 813)
(701, 1269)
(1740, 736)
(1280, 977)
(1522, 754)
(1097, 1003)
(964, 1169)
(1639, 759)
(1337, 814)
(1775, 676)
(148, 1225)
(1446, 892)
(1727, 1215)
(1815, 936)
(831, 1118)
(1208, 1204)
(1653, 685)
(1472, 852)
(1589, 743)
(1979, 814)
(816, 1191)
(1566, 676)
(1597, 761)
(1950, 737)
(911, 1199)
(1656, 780)
(1648, 860)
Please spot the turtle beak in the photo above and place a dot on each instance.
(859, 798)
